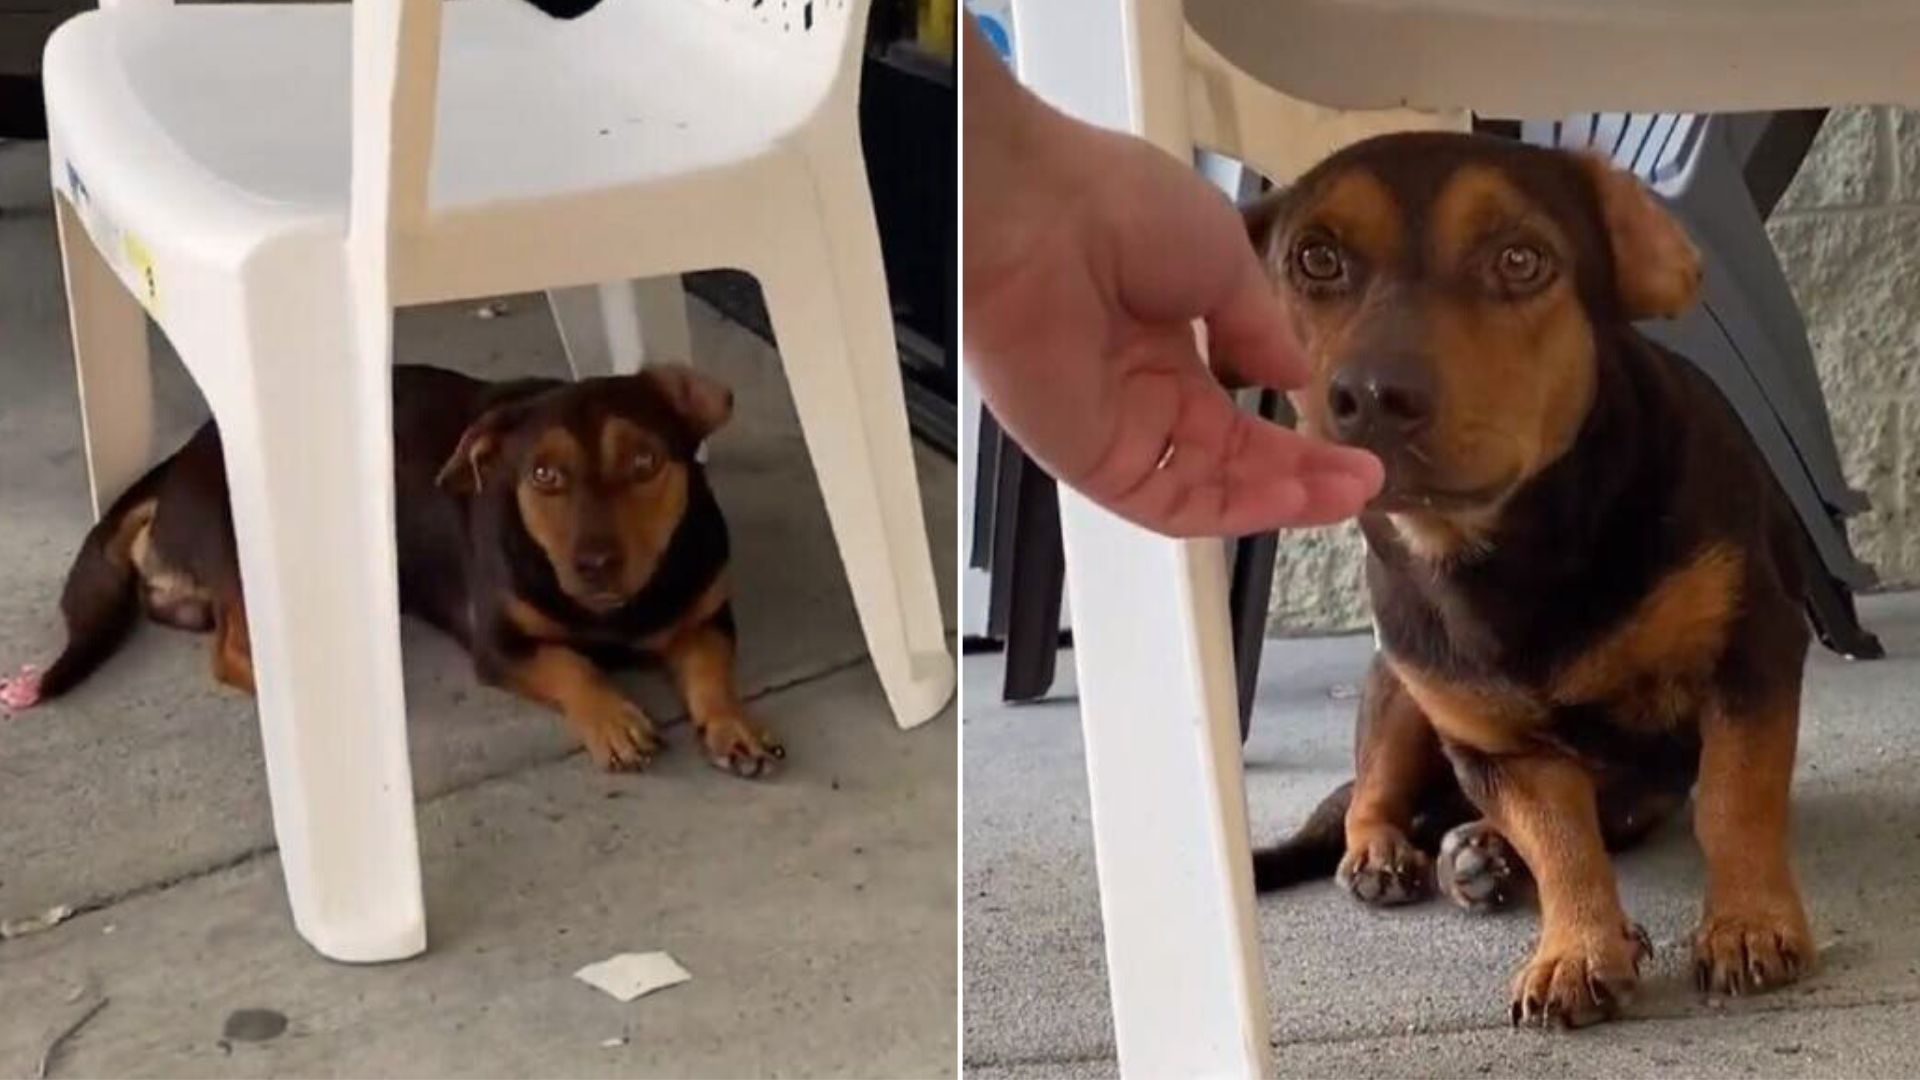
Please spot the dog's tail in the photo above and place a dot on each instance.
(1314, 849)
(101, 599)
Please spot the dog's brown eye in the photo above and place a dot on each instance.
(645, 463)
(1320, 261)
(1521, 265)
(547, 478)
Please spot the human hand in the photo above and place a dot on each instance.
(1089, 255)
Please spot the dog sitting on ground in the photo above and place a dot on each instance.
(1588, 588)
(552, 528)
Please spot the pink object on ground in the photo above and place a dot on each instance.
(22, 691)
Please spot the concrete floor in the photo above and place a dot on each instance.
(815, 911)
(1421, 990)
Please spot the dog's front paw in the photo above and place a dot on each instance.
(1477, 869)
(1385, 868)
(1579, 975)
(734, 746)
(620, 738)
(1751, 949)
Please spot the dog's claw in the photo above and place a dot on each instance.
(1575, 980)
(1737, 953)
(1597, 990)
(745, 766)
(733, 746)
(623, 740)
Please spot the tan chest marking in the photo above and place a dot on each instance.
(1492, 719)
(1438, 538)
(1653, 669)
(534, 623)
(1657, 664)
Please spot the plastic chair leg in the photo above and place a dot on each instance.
(308, 445)
(660, 318)
(583, 333)
(827, 297)
(1152, 650)
(1153, 653)
(1249, 598)
(1029, 574)
(614, 327)
(110, 360)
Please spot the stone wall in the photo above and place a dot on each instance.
(1848, 233)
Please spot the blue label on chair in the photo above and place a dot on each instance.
(995, 20)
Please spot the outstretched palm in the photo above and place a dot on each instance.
(1080, 303)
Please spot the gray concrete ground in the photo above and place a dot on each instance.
(1421, 990)
(815, 911)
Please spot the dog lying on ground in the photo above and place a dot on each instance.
(552, 528)
(1588, 588)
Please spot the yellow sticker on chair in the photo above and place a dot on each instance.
(148, 282)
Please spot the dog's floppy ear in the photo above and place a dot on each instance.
(463, 474)
(1656, 267)
(702, 402)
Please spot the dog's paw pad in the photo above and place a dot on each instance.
(1386, 870)
(22, 691)
(1478, 870)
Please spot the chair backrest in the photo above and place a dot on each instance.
(1659, 148)
(396, 53)
(819, 43)
(799, 20)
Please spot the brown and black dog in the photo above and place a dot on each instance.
(1587, 587)
(554, 529)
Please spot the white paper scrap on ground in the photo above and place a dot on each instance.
(34, 924)
(630, 975)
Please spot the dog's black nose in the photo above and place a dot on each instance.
(1369, 401)
(596, 561)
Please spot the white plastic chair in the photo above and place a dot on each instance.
(269, 182)
(1155, 659)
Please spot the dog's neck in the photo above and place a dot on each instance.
(1561, 557)
(1443, 539)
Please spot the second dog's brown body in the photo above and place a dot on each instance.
(1586, 583)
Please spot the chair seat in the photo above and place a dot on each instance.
(1535, 58)
(244, 109)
